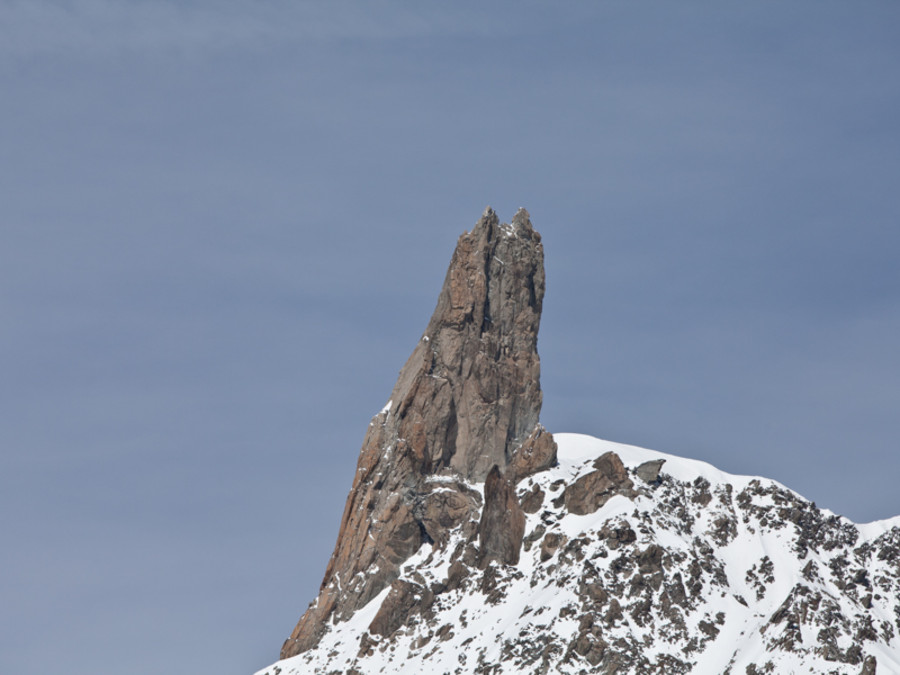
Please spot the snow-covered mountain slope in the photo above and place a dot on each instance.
(629, 567)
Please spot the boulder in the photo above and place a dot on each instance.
(593, 490)
(649, 471)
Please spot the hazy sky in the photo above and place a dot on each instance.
(225, 225)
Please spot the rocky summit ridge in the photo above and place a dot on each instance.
(474, 541)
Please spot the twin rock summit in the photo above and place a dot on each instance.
(473, 541)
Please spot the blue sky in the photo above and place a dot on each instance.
(225, 226)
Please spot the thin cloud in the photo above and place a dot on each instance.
(103, 27)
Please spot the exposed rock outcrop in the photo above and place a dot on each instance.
(593, 490)
(694, 571)
(645, 584)
(649, 471)
(537, 453)
(404, 600)
(502, 525)
(533, 500)
(869, 666)
(468, 399)
(449, 505)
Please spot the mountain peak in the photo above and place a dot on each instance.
(475, 542)
(468, 399)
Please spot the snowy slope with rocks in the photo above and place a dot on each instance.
(474, 541)
(634, 561)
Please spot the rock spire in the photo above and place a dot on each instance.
(466, 405)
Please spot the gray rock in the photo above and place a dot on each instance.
(649, 471)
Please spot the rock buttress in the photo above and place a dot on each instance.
(502, 525)
(468, 397)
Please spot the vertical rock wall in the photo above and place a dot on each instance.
(467, 399)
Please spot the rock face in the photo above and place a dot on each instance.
(502, 523)
(447, 507)
(468, 399)
(404, 600)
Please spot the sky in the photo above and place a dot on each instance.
(225, 225)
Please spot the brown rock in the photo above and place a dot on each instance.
(610, 465)
(456, 575)
(446, 507)
(533, 500)
(650, 559)
(617, 535)
(613, 613)
(537, 453)
(467, 398)
(445, 632)
(470, 391)
(366, 646)
(593, 490)
(550, 544)
(869, 666)
(404, 600)
(591, 647)
(595, 592)
(502, 525)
